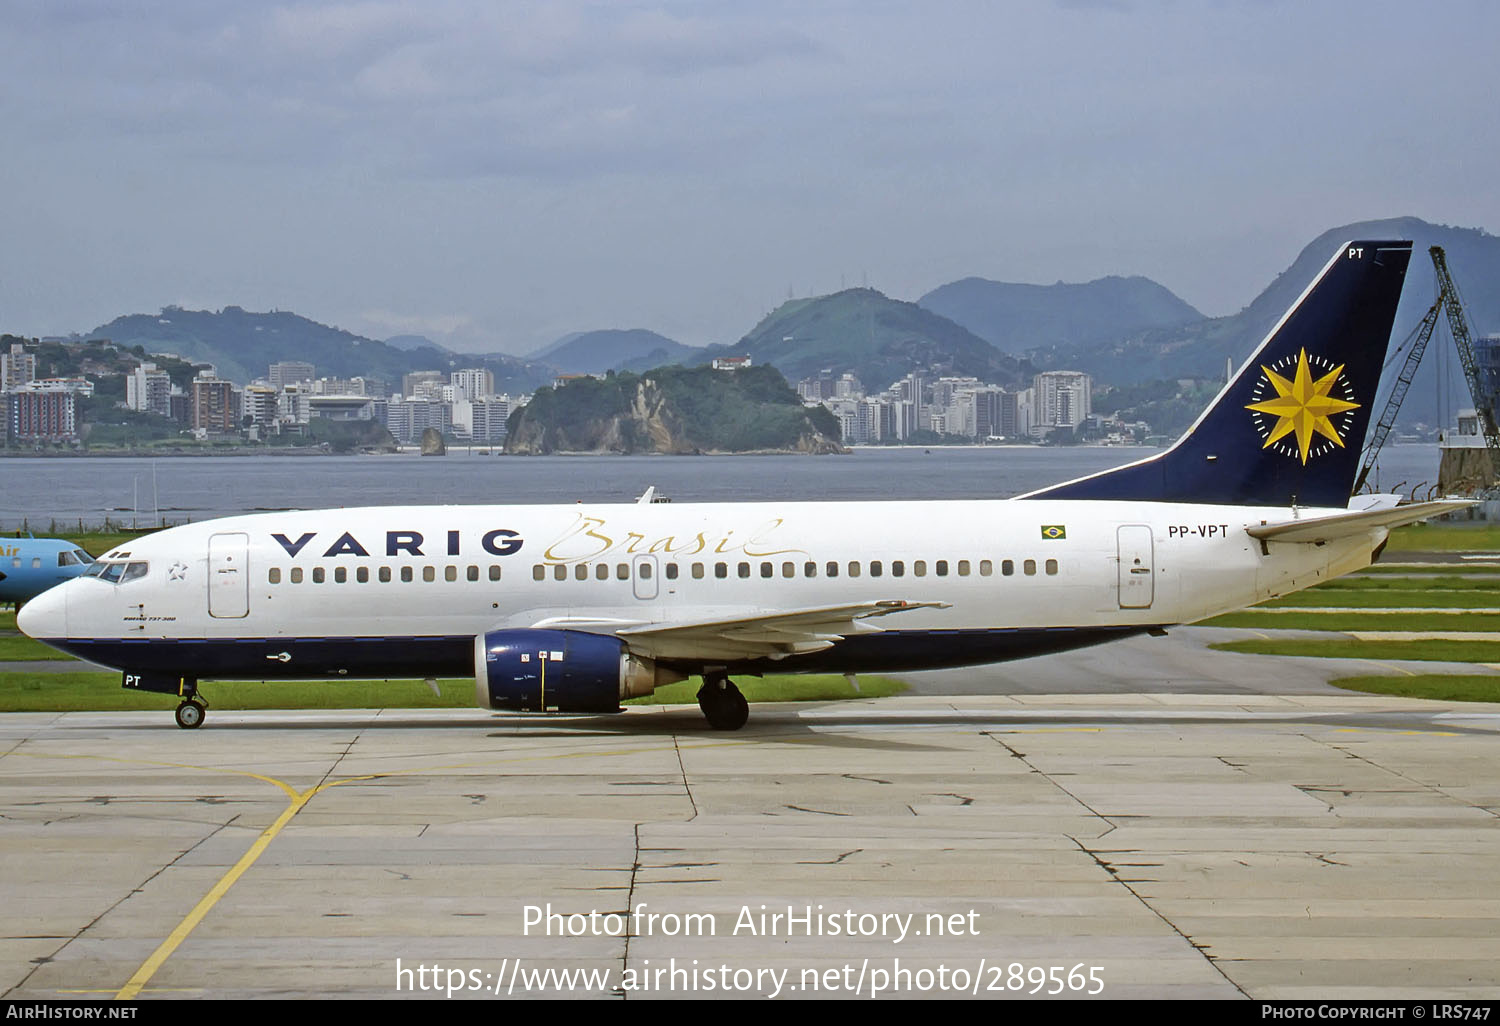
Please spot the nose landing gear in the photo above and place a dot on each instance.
(722, 704)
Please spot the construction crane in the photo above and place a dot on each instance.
(1449, 302)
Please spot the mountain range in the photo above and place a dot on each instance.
(1123, 330)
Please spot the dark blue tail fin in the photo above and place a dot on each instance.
(1289, 428)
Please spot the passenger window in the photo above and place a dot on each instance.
(789, 569)
(296, 575)
(36, 562)
(385, 575)
(697, 571)
(1052, 567)
(362, 575)
(963, 568)
(942, 568)
(721, 570)
(622, 571)
(744, 570)
(472, 573)
(581, 572)
(986, 568)
(1007, 568)
(538, 572)
(601, 571)
(1029, 567)
(671, 571)
(318, 575)
(406, 575)
(340, 575)
(16, 562)
(645, 570)
(832, 569)
(450, 573)
(898, 568)
(273, 575)
(875, 568)
(809, 569)
(919, 568)
(854, 568)
(429, 574)
(494, 572)
(767, 570)
(559, 573)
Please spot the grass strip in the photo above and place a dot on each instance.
(20, 648)
(101, 692)
(1387, 598)
(1476, 536)
(1456, 687)
(1336, 647)
(1407, 580)
(1374, 620)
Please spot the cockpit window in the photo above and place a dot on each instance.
(66, 558)
(118, 573)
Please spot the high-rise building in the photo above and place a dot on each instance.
(16, 367)
(410, 382)
(149, 390)
(289, 372)
(213, 404)
(1062, 398)
(44, 415)
(472, 383)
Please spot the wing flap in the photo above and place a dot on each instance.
(769, 635)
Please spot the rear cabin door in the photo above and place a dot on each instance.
(229, 576)
(1137, 571)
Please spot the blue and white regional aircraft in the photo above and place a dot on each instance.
(29, 566)
(574, 608)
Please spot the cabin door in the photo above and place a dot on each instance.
(229, 576)
(1137, 571)
(643, 572)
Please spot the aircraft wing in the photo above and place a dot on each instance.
(1342, 525)
(770, 635)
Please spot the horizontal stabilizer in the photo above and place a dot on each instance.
(1344, 525)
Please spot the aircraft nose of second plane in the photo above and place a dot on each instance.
(46, 616)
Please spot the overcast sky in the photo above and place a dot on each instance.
(496, 175)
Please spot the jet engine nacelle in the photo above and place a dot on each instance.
(570, 671)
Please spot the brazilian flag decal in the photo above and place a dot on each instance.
(1053, 532)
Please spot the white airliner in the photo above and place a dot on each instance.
(574, 608)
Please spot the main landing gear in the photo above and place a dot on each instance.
(192, 709)
(722, 704)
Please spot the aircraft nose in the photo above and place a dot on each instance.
(46, 616)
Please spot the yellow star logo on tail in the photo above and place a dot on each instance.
(1303, 406)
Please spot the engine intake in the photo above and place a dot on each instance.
(570, 671)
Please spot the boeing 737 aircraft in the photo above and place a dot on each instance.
(574, 608)
(29, 566)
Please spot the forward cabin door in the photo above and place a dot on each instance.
(229, 576)
(1137, 570)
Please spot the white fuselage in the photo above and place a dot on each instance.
(266, 583)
